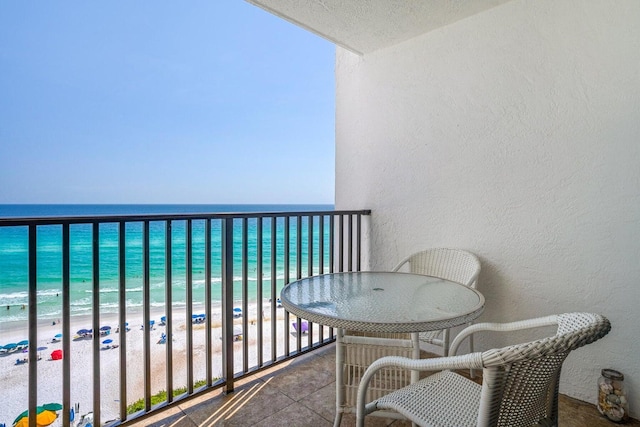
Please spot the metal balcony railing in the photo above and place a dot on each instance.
(174, 265)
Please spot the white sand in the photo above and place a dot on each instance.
(14, 378)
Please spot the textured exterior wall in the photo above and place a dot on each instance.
(515, 134)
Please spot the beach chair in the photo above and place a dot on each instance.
(519, 382)
(304, 326)
(237, 333)
(163, 339)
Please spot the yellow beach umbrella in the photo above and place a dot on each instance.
(44, 417)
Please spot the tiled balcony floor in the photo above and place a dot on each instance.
(302, 393)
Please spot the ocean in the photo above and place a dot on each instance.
(14, 268)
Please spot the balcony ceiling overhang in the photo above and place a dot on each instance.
(364, 26)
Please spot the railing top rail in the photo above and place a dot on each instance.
(91, 219)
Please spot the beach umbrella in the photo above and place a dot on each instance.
(58, 336)
(56, 355)
(84, 331)
(44, 417)
(105, 328)
(52, 406)
(10, 346)
(42, 348)
(107, 341)
(23, 342)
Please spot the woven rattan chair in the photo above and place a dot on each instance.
(455, 265)
(520, 382)
(361, 349)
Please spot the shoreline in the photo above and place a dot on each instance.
(14, 376)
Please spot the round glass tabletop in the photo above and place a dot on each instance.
(382, 301)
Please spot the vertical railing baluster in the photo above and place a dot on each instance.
(245, 292)
(33, 322)
(259, 296)
(298, 274)
(96, 322)
(207, 300)
(321, 245)
(310, 269)
(66, 327)
(227, 304)
(341, 244)
(287, 266)
(189, 297)
(299, 247)
(310, 245)
(146, 321)
(332, 220)
(321, 263)
(350, 243)
(274, 297)
(122, 317)
(359, 234)
(168, 311)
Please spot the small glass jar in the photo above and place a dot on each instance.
(612, 396)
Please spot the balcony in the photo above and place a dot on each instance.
(266, 374)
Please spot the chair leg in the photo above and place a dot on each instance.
(339, 377)
(472, 372)
(445, 342)
(337, 420)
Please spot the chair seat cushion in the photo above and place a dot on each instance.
(441, 400)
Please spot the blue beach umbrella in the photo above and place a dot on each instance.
(105, 328)
(108, 341)
(58, 336)
(10, 346)
(24, 342)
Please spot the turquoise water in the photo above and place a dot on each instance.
(14, 268)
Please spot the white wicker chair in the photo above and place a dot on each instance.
(451, 264)
(520, 382)
(361, 349)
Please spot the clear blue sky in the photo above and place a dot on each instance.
(163, 102)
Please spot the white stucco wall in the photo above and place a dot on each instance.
(515, 134)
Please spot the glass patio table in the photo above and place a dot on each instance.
(390, 302)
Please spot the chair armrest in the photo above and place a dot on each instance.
(501, 327)
(466, 361)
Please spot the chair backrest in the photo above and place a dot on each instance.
(451, 264)
(520, 382)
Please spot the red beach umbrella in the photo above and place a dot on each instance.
(56, 355)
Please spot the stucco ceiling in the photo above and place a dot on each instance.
(364, 26)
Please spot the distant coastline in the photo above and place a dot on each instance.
(34, 210)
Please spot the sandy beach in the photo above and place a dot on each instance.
(14, 377)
